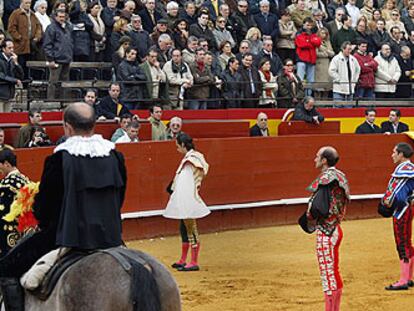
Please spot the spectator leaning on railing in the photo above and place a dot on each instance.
(366, 83)
(388, 73)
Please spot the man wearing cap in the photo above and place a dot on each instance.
(160, 29)
(149, 16)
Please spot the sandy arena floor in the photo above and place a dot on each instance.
(275, 269)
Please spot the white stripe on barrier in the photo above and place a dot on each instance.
(247, 205)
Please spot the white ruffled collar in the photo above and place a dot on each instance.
(93, 146)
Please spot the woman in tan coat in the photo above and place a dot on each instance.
(26, 32)
(324, 53)
(286, 43)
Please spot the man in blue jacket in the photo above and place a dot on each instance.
(267, 22)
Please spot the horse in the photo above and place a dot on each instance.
(99, 282)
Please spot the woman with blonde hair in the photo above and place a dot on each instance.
(254, 36)
(269, 85)
(324, 54)
(389, 5)
(119, 30)
(368, 10)
(395, 21)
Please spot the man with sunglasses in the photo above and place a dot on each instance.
(242, 21)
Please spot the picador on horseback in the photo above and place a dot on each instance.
(78, 205)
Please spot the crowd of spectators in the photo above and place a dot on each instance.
(216, 53)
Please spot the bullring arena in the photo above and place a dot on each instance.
(253, 255)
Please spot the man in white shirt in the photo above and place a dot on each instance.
(132, 131)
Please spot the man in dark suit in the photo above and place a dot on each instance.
(369, 127)
(394, 126)
(260, 128)
(276, 65)
(267, 22)
(334, 25)
(251, 85)
(149, 16)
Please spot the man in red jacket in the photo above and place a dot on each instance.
(306, 45)
(366, 83)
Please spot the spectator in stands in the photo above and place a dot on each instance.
(393, 125)
(201, 30)
(132, 131)
(189, 13)
(404, 86)
(231, 87)
(159, 130)
(362, 34)
(241, 20)
(82, 31)
(244, 48)
(122, 130)
(324, 54)
(90, 99)
(410, 43)
(260, 128)
(353, 11)
(226, 54)
(336, 24)
(405, 9)
(300, 13)
(306, 111)
(9, 7)
(346, 33)
(160, 29)
(318, 19)
(376, 16)
(269, 85)
(26, 32)
(188, 53)
(291, 90)
(286, 43)
(380, 35)
(344, 71)
(2, 144)
(389, 5)
(172, 13)
(268, 54)
(132, 78)
(306, 44)
(388, 73)
(225, 12)
(174, 128)
(58, 48)
(267, 22)
(40, 9)
(215, 89)
(409, 20)
(221, 34)
(98, 36)
(155, 77)
(110, 107)
(164, 49)
(149, 16)
(396, 43)
(110, 15)
(128, 9)
(395, 22)
(180, 34)
(203, 79)
(251, 86)
(120, 30)
(179, 79)
(59, 5)
(119, 54)
(366, 83)
(11, 74)
(24, 136)
(332, 9)
(368, 10)
(140, 39)
(369, 126)
(254, 37)
(39, 138)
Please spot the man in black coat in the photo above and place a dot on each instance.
(140, 38)
(276, 65)
(260, 128)
(394, 125)
(201, 30)
(149, 16)
(242, 21)
(267, 22)
(250, 83)
(110, 107)
(369, 127)
(79, 201)
(307, 112)
(10, 74)
(405, 61)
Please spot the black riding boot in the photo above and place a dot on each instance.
(13, 294)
